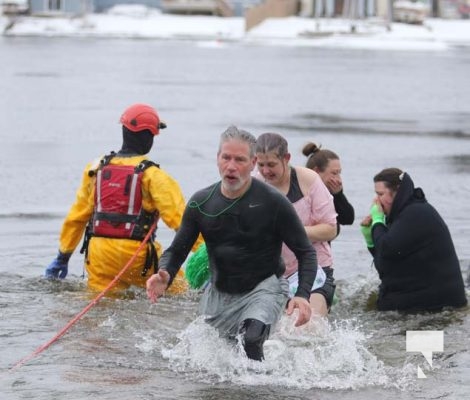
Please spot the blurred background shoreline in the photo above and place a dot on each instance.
(354, 31)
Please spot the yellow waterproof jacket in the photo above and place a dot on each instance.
(107, 256)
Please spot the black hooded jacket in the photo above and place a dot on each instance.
(415, 256)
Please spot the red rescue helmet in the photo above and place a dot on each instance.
(142, 116)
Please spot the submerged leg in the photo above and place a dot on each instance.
(254, 334)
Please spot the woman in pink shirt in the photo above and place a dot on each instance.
(314, 205)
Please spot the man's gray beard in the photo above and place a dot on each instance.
(231, 188)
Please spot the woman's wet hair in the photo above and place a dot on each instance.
(318, 158)
(391, 178)
(232, 132)
(272, 142)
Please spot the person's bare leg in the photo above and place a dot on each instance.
(318, 305)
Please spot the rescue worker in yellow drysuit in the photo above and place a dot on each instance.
(112, 239)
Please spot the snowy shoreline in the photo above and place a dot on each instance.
(433, 34)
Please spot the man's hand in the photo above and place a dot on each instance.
(157, 285)
(303, 306)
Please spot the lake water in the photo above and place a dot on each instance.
(60, 105)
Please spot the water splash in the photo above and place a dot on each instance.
(321, 354)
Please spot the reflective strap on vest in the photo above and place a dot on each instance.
(130, 209)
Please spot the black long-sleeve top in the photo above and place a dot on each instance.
(244, 238)
(343, 208)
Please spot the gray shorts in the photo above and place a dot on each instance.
(226, 312)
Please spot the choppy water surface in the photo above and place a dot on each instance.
(60, 106)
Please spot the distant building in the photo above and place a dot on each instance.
(237, 5)
(221, 8)
(60, 7)
(103, 5)
(14, 7)
(354, 9)
(74, 7)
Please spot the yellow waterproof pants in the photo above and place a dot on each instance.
(107, 257)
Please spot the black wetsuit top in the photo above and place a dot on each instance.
(415, 256)
(244, 238)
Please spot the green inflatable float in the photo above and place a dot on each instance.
(197, 268)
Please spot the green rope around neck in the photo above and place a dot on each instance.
(195, 204)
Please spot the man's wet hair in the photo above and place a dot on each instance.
(232, 132)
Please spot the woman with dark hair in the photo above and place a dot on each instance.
(326, 163)
(412, 248)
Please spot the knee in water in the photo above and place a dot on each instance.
(254, 335)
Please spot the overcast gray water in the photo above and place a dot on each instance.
(60, 104)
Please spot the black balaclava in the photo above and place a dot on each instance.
(136, 143)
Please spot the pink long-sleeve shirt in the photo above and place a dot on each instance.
(316, 207)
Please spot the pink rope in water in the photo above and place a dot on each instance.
(87, 308)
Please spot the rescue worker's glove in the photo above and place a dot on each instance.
(59, 267)
(378, 216)
(367, 233)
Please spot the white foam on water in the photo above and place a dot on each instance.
(146, 343)
(109, 322)
(320, 354)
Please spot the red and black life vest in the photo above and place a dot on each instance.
(118, 211)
